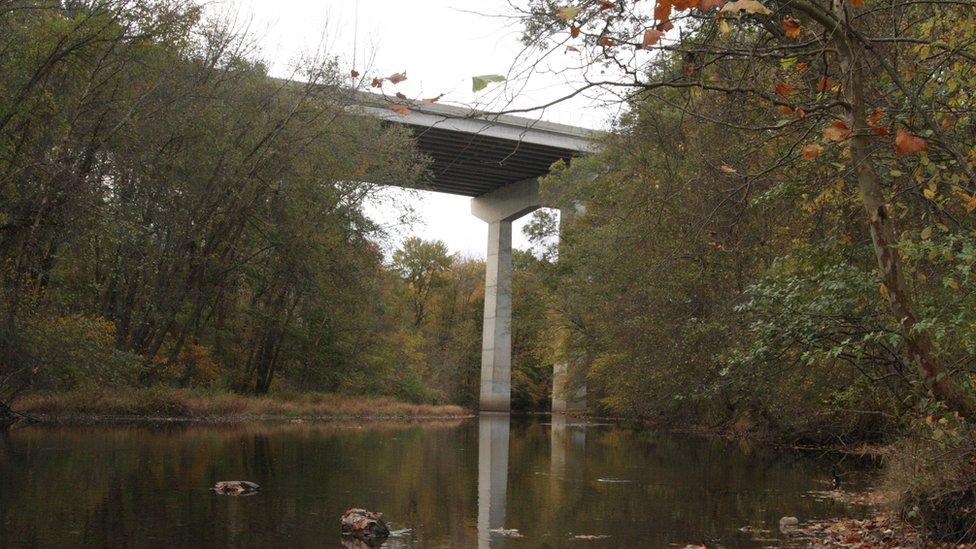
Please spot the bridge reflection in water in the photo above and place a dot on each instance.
(567, 448)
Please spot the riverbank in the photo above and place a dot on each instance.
(159, 404)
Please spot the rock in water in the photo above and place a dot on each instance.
(788, 524)
(364, 525)
(235, 487)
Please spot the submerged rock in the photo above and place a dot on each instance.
(788, 524)
(364, 525)
(235, 487)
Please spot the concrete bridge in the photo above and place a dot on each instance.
(495, 160)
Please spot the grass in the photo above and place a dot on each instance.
(167, 403)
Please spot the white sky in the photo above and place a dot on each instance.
(440, 44)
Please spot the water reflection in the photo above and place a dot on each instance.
(493, 442)
(451, 483)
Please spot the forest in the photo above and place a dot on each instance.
(778, 237)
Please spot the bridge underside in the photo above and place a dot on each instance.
(475, 165)
(497, 162)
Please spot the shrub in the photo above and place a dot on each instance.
(76, 351)
(933, 473)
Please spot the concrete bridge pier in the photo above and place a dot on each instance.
(499, 208)
(564, 399)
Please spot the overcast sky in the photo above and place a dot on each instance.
(440, 44)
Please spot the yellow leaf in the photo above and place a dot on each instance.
(723, 27)
(926, 233)
(747, 6)
(568, 13)
(929, 193)
(884, 291)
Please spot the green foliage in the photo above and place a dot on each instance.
(76, 352)
(208, 215)
(821, 342)
(479, 83)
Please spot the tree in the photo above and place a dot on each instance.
(796, 70)
(421, 264)
(156, 183)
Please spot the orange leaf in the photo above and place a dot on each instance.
(785, 109)
(354, 73)
(397, 78)
(665, 26)
(662, 10)
(399, 109)
(802, 67)
(783, 89)
(651, 37)
(607, 42)
(856, 3)
(875, 116)
(906, 143)
(709, 4)
(727, 169)
(606, 6)
(811, 151)
(837, 131)
(825, 83)
(681, 5)
(873, 121)
(968, 200)
(574, 31)
(800, 113)
(791, 27)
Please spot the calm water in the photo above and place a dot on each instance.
(450, 483)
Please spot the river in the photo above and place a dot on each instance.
(558, 482)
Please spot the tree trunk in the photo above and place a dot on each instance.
(917, 341)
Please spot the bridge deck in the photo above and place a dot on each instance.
(473, 153)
